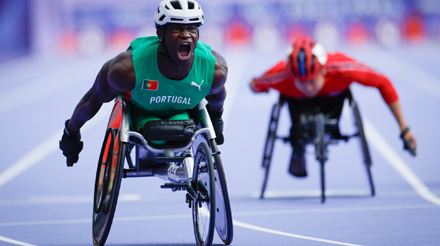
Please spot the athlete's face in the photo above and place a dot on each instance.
(180, 41)
(310, 88)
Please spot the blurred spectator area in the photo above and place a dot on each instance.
(14, 29)
(87, 27)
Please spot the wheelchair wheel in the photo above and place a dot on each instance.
(107, 184)
(364, 145)
(270, 141)
(223, 216)
(204, 208)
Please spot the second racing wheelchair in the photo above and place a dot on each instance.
(320, 130)
(188, 160)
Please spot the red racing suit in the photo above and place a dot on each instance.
(341, 72)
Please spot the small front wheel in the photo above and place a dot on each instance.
(203, 207)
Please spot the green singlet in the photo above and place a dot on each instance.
(157, 97)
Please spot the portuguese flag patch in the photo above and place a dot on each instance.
(150, 85)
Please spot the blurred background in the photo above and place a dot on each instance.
(72, 27)
(51, 51)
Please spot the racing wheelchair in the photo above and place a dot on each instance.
(192, 165)
(320, 130)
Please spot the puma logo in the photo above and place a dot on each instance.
(198, 86)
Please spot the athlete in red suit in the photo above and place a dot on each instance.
(312, 79)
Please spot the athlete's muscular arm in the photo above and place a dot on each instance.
(217, 95)
(116, 76)
(367, 76)
(271, 78)
(396, 109)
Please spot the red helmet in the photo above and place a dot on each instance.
(306, 58)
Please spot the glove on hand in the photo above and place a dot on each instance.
(71, 145)
(407, 142)
(217, 122)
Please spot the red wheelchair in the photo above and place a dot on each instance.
(193, 165)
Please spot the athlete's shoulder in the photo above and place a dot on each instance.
(339, 62)
(121, 71)
(338, 57)
(144, 44)
(204, 51)
(219, 59)
(221, 68)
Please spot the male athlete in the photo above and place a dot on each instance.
(163, 76)
(312, 79)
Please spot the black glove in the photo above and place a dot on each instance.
(217, 122)
(407, 143)
(71, 145)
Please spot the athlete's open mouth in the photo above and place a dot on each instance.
(184, 50)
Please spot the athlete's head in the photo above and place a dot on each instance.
(177, 23)
(180, 12)
(306, 61)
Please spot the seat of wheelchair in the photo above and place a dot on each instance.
(308, 130)
(163, 134)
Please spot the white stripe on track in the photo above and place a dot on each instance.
(81, 221)
(262, 229)
(39, 153)
(387, 152)
(247, 213)
(79, 199)
(8, 240)
(335, 210)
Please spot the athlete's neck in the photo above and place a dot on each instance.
(169, 68)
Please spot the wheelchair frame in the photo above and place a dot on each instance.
(321, 141)
(199, 172)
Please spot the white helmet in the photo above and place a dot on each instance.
(179, 11)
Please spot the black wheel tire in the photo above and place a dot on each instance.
(107, 185)
(267, 159)
(204, 211)
(364, 147)
(223, 216)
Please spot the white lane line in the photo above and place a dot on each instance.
(40, 152)
(312, 193)
(387, 152)
(250, 213)
(317, 193)
(81, 221)
(335, 210)
(30, 159)
(8, 240)
(262, 229)
(79, 199)
(46, 222)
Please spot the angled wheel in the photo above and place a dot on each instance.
(223, 215)
(270, 141)
(364, 144)
(108, 175)
(107, 184)
(204, 207)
